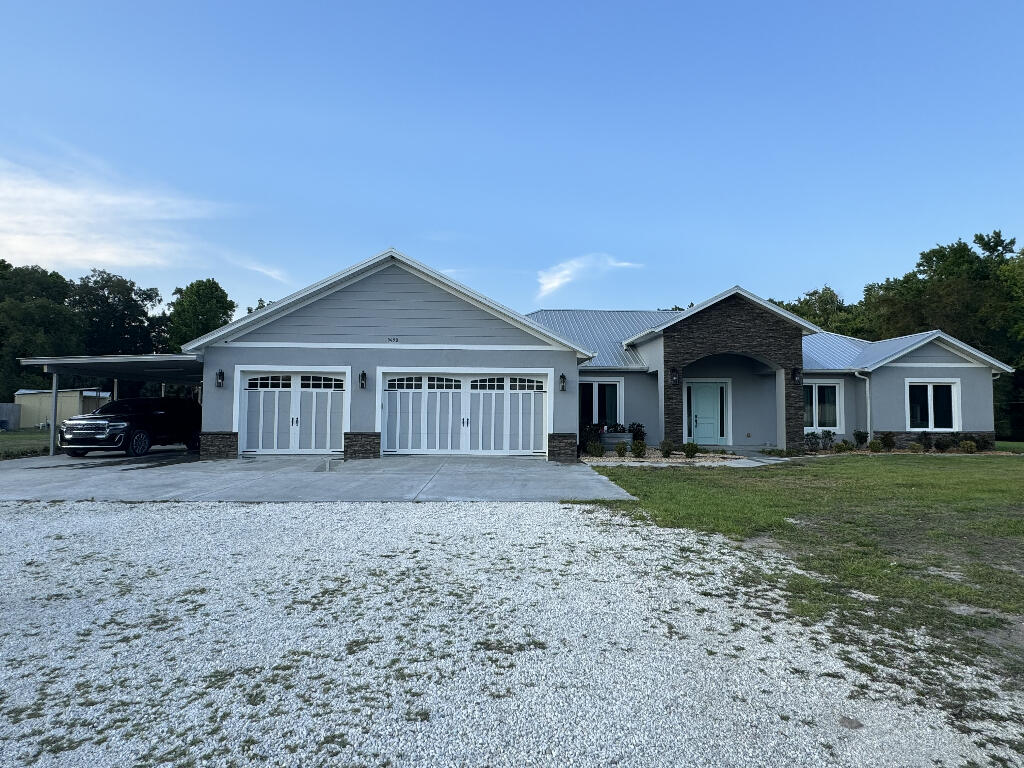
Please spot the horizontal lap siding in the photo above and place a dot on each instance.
(932, 353)
(388, 304)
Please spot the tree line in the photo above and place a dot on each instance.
(44, 314)
(973, 291)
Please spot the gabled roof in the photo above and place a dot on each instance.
(835, 352)
(603, 330)
(734, 291)
(362, 269)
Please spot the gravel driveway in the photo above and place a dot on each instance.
(426, 634)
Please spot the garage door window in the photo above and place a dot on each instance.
(519, 384)
(406, 382)
(322, 382)
(270, 382)
(441, 382)
(491, 384)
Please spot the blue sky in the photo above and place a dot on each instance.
(558, 155)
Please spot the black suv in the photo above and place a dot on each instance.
(133, 426)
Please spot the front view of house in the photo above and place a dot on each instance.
(392, 357)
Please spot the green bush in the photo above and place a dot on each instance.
(860, 437)
(590, 433)
(619, 428)
(667, 448)
(636, 429)
(875, 446)
(984, 442)
(773, 452)
(888, 440)
(690, 450)
(639, 449)
(925, 440)
(968, 446)
(844, 447)
(916, 448)
(943, 444)
(812, 441)
(595, 449)
(828, 439)
(620, 449)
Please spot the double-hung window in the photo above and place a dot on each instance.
(823, 406)
(933, 404)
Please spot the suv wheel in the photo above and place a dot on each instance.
(138, 443)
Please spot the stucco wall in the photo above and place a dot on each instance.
(753, 395)
(854, 403)
(888, 396)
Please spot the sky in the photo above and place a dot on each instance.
(595, 155)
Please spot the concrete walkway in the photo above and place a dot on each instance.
(173, 475)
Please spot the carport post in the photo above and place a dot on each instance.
(53, 417)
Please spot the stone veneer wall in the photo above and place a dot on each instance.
(362, 445)
(218, 445)
(562, 447)
(737, 326)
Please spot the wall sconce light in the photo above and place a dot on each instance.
(561, 382)
(362, 379)
(675, 377)
(796, 375)
(219, 379)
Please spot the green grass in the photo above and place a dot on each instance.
(24, 442)
(1007, 445)
(937, 541)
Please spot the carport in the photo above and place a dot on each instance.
(166, 369)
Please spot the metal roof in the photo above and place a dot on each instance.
(831, 351)
(85, 392)
(171, 369)
(602, 331)
(835, 352)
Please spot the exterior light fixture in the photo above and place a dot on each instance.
(220, 378)
(675, 377)
(362, 379)
(561, 382)
(797, 375)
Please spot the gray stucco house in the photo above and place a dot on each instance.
(392, 357)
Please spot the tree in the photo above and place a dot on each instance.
(260, 304)
(114, 314)
(826, 309)
(198, 308)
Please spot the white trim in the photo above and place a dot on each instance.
(345, 370)
(840, 385)
(620, 394)
(952, 345)
(736, 290)
(326, 345)
(935, 365)
(364, 269)
(955, 396)
(727, 381)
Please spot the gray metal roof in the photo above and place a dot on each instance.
(602, 331)
(831, 351)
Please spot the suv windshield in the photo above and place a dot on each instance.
(119, 406)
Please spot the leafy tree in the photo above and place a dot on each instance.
(260, 304)
(114, 314)
(826, 309)
(198, 308)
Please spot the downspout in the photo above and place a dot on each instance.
(867, 397)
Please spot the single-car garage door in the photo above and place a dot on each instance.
(452, 413)
(293, 412)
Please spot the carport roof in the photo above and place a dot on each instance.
(171, 369)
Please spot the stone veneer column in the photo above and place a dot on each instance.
(562, 447)
(218, 445)
(362, 445)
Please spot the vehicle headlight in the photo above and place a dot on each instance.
(114, 426)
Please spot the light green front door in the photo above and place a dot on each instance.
(707, 401)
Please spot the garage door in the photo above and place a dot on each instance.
(449, 413)
(293, 413)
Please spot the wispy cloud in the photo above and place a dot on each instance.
(272, 272)
(591, 265)
(65, 219)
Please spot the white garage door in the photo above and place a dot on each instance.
(449, 413)
(293, 413)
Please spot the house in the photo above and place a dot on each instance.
(393, 357)
(35, 404)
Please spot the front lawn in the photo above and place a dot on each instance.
(24, 442)
(1008, 445)
(892, 543)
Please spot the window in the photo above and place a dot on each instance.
(321, 382)
(406, 382)
(516, 383)
(493, 383)
(822, 406)
(270, 382)
(933, 404)
(601, 402)
(443, 382)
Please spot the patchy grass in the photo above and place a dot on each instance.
(24, 442)
(1007, 445)
(892, 543)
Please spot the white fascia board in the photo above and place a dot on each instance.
(951, 344)
(86, 359)
(736, 290)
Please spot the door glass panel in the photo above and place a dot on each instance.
(919, 406)
(721, 411)
(607, 404)
(942, 402)
(808, 406)
(586, 403)
(827, 406)
(689, 411)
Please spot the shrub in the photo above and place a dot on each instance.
(772, 452)
(828, 439)
(875, 446)
(956, 437)
(590, 433)
(984, 442)
(667, 448)
(860, 437)
(619, 428)
(639, 449)
(942, 444)
(916, 448)
(812, 441)
(691, 450)
(844, 447)
(925, 440)
(636, 429)
(968, 446)
(595, 449)
(620, 449)
(888, 440)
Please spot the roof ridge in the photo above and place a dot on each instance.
(606, 310)
(845, 336)
(906, 336)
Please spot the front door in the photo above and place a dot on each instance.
(707, 414)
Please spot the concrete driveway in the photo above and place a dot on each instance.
(174, 475)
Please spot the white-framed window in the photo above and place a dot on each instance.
(601, 401)
(492, 383)
(823, 405)
(933, 405)
(443, 382)
(269, 382)
(320, 382)
(406, 382)
(518, 383)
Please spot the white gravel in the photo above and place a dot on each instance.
(415, 634)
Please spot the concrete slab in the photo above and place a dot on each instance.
(174, 475)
